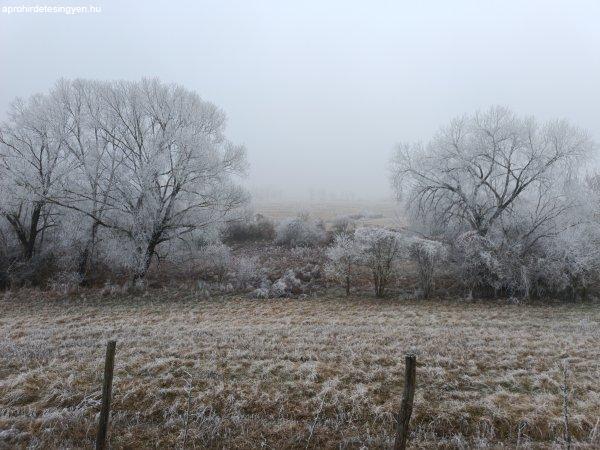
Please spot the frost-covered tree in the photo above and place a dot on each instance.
(501, 189)
(154, 164)
(380, 251)
(142, 163)
(480, 167)
(344, 259)
(88, 187)
(33, 161)
(427, 254)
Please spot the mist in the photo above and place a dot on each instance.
(320, 93)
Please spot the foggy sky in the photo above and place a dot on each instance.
(321, 91)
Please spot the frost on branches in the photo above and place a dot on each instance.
(344, 260)
(505, 192)
(427, 255)
(301, 231)
(141, 163)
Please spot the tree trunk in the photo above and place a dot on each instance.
(33, 230)
(148, 254)
(27, 238)
(379, 287)
(85, 259)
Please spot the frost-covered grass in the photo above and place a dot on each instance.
(316, 373)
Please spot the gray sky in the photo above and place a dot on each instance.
(320, 91)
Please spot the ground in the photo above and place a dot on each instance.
(287, 373)
(385, 212)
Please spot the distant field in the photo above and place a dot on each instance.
(328, 211)
(314, 373)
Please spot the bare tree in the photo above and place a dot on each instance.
(504, 191)
(95, 160)
(146, 162)
(482, 165)
(160, 166)
(33, 162)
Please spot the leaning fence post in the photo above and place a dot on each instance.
(407, 402)
(109, 364)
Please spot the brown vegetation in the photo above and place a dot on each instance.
(318, 373)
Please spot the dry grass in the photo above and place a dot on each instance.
(327, 211)
(317, 373)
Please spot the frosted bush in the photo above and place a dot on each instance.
(260, 293)
(249, 229)
(118, 251)
(380, 251)
(477, 264)
(216, 260)
(245, 271)
(344, 260)
(569, 264)
(343, 225)
(65, 281)
(427, 254)
(287, 285)
(490, 265)
(300, 231)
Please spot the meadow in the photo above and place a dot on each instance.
(319, 372)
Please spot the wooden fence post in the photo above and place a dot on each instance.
(109, 364)
(407, 402)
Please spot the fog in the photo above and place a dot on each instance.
(320, 92)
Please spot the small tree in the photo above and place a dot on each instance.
(426, 254)
(380, 251)
(344, 259)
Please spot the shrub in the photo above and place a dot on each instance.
(245, 271)
(215, 260)
(287, 285)
(380, 251)
(477, 263)
(490, 266)
(344, 259)
(570, 264)
(300, 231)
(258, 228)
(426, 254)
(343, 225)
(65, 281)
(562, 266)
(33, 272)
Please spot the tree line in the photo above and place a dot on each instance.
(120, 174)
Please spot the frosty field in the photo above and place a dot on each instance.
(290, 373)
